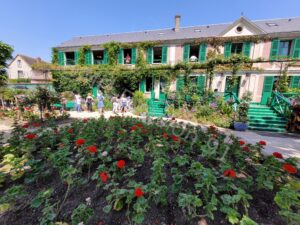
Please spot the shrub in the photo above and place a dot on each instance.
(138, 98)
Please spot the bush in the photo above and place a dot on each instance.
(139, 98)
(204, 110)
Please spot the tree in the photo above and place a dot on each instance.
(5, 55)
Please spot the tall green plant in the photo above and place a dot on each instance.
(5, 55)
(54, 56)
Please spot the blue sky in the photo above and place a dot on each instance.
(32, 27)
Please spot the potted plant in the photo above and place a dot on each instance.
(241, 117)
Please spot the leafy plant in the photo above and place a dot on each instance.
(189, 204)
(82, 213)
(41, 198)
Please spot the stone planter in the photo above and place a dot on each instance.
(240, 126)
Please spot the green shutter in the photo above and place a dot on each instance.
(164, 57)
(76, 57)
(202, 52)
(88, 57)
(105, 57)
(95, 91)
(274, 49)
(120, 56)
(247, 48)
(133, 56)
(200, 84)
(143, 85)
(227, 49)
(296, 51)
(61, 58)
(186, 53)
(267, 90)
(179, 83)
(150, 55)
(295, 82)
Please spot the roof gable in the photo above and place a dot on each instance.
(247, 28)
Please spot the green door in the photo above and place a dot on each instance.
(162, 88)
(267, 90)
(230, 88)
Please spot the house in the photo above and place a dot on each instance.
(20, 70)
(278, 38)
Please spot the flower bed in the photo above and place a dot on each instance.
(125, 171)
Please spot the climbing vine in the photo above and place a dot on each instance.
(54, 56)
(82, 52)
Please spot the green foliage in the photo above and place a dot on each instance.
(288, 201)
(138, 98)
(54, 59)
(247, 221)
(82, 213)
(112, 49)
(5, 55)
(82, 52)
(242, 112)
(13, 194)
(189, 204)
(283, 83)
(41, 198)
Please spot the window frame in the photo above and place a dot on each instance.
(290, 48)
(161, 51)
(234, 44)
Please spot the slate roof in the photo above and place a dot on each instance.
(203, 31)
(29, 60)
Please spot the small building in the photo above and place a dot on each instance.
(20, 71)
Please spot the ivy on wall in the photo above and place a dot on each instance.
(82, 54)
(54, 56)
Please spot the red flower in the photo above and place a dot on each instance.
(165, 135)
(138, 192)
(92, 148)
(139, 125)
(242, 142)
(85, 120)
(26, 125)
(175, 138)
(229, 173)
(103, 176)
(47, 115)
(246, 149)
(289, 168)
(121, 164)
(30, 136)
(144, 131)
(36, 125)
(214, 136)
(133, 128)
(70, 131)
(80, 142)
(262, 143)
(277, 155)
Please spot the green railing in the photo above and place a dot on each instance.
(281, 104)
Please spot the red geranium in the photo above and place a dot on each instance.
(139, 125)
(85, 120)
(121, 164)
(103, 176)
(36, 125)
(80, 142)
(229, 173)
(262, 143)
(175, 138)
(47, 115)
(138, 192)
(30, 136)
(92, 148)
(133, 128)
(277, 155)
(144, 131)
(289, 168)
(26, 125)
(246, 149)
(165, 135)
(242, 142)
(70, 130)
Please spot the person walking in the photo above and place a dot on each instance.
(89, 102)
(115, 105)
(100, 99)
(78, 102)
(123, 103)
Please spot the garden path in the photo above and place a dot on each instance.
(286, 144)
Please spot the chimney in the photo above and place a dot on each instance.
(177, 23)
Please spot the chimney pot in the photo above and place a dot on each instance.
(177, 23)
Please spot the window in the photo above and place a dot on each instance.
(70, 58)
(127, 56)
(239, 29)
(19, 64)
(157, 54)
(20, 74)
(285, 48)
(98, 57)
(148, 84)
(237, 48)
(194, 53)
